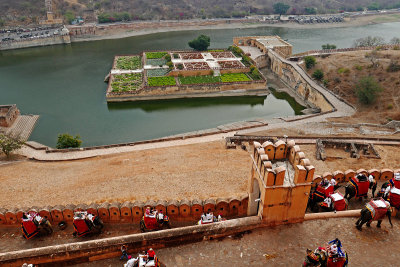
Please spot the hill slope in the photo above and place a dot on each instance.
(26, 11)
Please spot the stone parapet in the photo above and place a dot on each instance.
(184, 210)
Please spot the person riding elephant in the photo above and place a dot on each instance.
(352, 189)
(384, 192)
(375, 210)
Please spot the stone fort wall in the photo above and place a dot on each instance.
(128, 212)
(53, 40)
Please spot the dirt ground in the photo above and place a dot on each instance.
(343, 71)
(200, 171)
(285, 245)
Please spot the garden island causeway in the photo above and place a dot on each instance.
(181, 74)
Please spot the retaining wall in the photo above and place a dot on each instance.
(53, 40)
(128, 212)
(110, 247)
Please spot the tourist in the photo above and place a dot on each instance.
(150, 255)
(124, 253)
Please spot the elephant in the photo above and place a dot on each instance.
(367, 216)
(321, 258)
(381, 193)
(351, 190)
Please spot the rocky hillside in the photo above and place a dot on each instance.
(26, 11)
(343, 71)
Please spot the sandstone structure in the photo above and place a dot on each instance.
(8, 114)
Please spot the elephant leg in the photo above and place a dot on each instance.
(359, 226)
(379, 224)
(358, 221)
(368, 224)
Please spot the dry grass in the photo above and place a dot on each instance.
(344, 70)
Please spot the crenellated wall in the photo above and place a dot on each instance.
(341, 177)
(128, 212)
(279, 183)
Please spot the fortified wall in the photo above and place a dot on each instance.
(271, 52)
(279, 183)
(127, 212)
(42, 41)
(8, 114)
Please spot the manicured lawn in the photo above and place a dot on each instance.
(126, 82)
(199, 79)
(161, 81)
(128, 63)
(152, 55)
(234, 77)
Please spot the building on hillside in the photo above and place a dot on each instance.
(51, 18)
(8, 114)
(263, 43)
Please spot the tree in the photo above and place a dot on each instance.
(367, 89)
(309, 61)
(2, 22)
(201, 43)
(328, 46)
(310, 10)
(68, 141)
(9, 144)
(280, 8)
(395, 41)
(373, 56)
(369, 41)
(318, 74)
(69, 16)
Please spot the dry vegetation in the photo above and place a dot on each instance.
(343, 71)
(24, 11)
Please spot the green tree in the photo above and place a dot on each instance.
(373, 6)
(68, 141)
(281, 8)
(9, 144)
(328, 46)
(2, 22)
(201, 43)
(310, 61)
(318, 75)
(367, 89)
(310, 10)
(69, 16)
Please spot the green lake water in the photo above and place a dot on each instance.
(64, 85)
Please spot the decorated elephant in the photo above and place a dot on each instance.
(330, 256)
(375, 210)
(358, 187)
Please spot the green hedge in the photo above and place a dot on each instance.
(129, 63)
(153, 55)
(200, 79)
(161, 81)
(234, 77)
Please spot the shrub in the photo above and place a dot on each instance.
(168, 57)
(328, 46)
(9, 144)
(170, 64)
(343, 70)
(255, 74)
(176, 55)
(393, 66)
(68, 141)
(390, 106)
(326, 82)
(179, 66)
(358, 67)
(318, 74)
(367, 89)
(396, 47)
(310, 61)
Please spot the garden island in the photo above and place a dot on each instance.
(180, 74)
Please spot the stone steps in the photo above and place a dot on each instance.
(23, 127)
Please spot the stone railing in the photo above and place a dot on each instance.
(128, 212)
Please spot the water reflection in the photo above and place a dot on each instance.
(187, 103)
